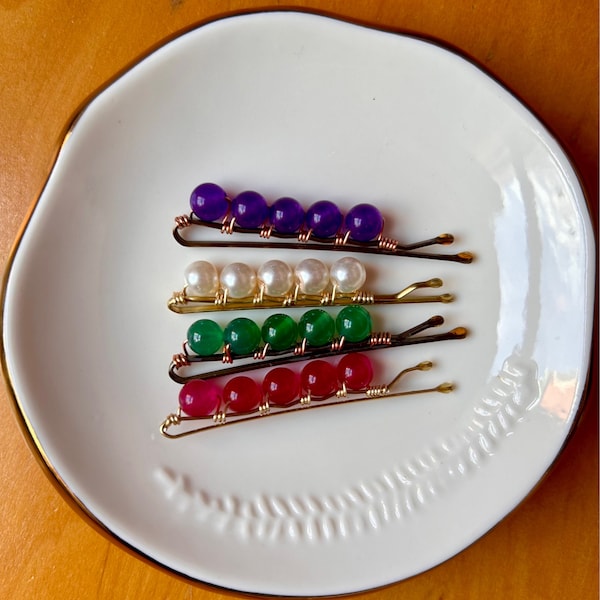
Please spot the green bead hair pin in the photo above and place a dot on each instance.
(282, 340)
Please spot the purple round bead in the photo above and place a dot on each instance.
(364, 222)
(286, 215)
(249, 209)
(209, 202)
(324, 218)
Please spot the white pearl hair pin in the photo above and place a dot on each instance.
(277, 285)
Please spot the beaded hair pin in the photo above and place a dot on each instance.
(281, 340)
(276, 285)
(283, 390)
(321, 227)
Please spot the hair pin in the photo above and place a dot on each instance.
(321, 227)
(284, 390)
(276, 285)
(316, 329)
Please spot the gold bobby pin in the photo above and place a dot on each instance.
(321, 227)
(282, 390)
(276, 285)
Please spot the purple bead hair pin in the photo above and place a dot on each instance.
(321, 227)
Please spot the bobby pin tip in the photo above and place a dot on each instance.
(445, 239)
(446, 388)
(436, 282)
(459, 332)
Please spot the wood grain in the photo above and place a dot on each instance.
(55, 55)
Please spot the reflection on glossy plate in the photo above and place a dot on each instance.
(340, 499)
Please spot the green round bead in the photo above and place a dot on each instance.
(242, 335)
(280, 331)
(354, 323)
(205, 337)
(317, 327)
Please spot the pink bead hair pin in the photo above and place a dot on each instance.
(281, 340)
(276, 285)
(282, 390)
(321, 227)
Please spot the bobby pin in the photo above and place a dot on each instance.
(276, 285)
(321, 227)
(284, 390)
(241, 339)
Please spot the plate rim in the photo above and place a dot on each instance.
(27, 429)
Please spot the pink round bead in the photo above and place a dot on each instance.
(199, 398)
(319, 378)
(242, 394)
(356, 371)
(281, 386)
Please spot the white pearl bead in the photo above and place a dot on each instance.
(276, 277)
(348, 274)
(201, 279)
(312, 275)
(239, 280)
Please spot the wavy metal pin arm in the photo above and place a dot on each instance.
(341, 396)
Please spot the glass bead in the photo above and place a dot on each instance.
(356, 371)
(281, 386)
(324, 218)
(249, 209)
(319, 378)
(317, 326)
(242, 394)
(242, 335)
(286, 215)
(364, 222)
(200, 398)
(280, 331)
(205, 337)
(354, 323)
(209, 202)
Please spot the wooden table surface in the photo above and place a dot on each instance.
(55, 54)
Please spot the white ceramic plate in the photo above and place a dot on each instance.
(335, 500)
